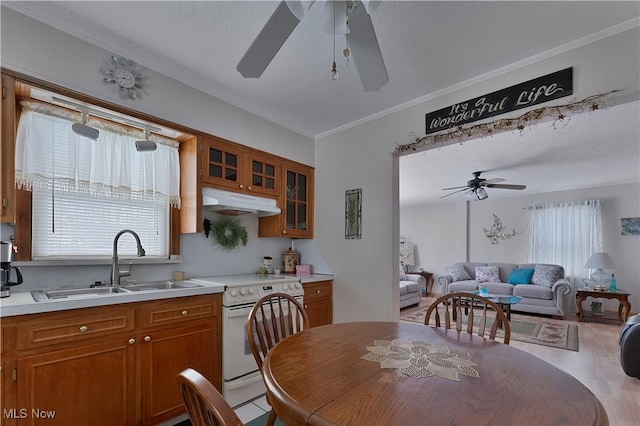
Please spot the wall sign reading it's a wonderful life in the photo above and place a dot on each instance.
(532, 92)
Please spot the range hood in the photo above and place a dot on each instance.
(232, 203)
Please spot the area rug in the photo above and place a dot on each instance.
(536, 331)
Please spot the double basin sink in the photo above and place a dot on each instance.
(84, 293)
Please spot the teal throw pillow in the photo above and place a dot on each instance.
(520, 276)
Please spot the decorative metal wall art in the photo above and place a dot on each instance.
(125, 74)
(496, 232)
(353, 214)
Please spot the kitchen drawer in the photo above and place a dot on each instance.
(72, 326)
(317, 290)
(179, 310)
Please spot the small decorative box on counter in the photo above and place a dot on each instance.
(303, 270)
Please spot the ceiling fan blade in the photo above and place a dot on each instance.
(506, 186)
(366, 50)
(455, 192)
(455, 187)
(269, 41)
(492, 181)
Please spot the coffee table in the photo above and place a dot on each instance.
(504, 301)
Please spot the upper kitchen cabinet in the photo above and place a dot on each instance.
(227, 165)
(296, 202)
(7, 149)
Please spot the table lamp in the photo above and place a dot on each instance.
(600, 262)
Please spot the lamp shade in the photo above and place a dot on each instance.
(600, 261)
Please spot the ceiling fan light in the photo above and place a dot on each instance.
(334, 72)
(481, 194)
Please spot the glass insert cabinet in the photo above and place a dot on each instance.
(228, 165)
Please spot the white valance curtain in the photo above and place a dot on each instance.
(565, 234)
(50, 155)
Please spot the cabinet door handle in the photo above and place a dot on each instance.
(284, 232)
(249, 187)
(132, 341)
(147, 338)
(84, 329)
(305, 306)
(241, 186)
(318, 291)
(184, 313)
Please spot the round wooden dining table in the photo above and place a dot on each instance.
(391, 373)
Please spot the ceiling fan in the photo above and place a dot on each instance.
(362, 40)
(476, 186)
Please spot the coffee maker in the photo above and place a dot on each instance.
(6, 254)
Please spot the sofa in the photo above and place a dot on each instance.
(409, 289)
(542, 287)
(630, 347)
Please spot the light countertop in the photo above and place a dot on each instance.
(23, 303)
(312, 278)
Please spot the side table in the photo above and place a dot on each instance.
(428, 276)
(624, 306)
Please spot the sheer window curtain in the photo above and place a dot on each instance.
(49, 153)
(565, 234)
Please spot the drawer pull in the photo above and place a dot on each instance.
(132, 341)
(184, 313)
(147, 338)
(318, 291)
(84, 329)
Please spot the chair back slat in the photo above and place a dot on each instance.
(476, 309)
(273, 318)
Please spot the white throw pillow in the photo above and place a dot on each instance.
(487, 274)
(546, 275)
(458, 273)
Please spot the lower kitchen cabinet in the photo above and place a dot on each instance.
(92, 384)
(164, 355)
(318, 302)
(111, 365)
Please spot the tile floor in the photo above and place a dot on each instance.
(252, 409)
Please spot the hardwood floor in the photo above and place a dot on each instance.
(596, 365)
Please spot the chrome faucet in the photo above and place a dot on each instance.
(116, 273)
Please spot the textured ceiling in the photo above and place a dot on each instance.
(429, 48)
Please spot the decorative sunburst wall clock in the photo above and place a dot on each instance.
(125, 74)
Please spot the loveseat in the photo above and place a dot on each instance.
(409, 289)
(542, 287)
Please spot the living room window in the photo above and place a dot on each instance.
(85, 191)
(565, 234)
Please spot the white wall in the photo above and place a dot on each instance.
(618, 201)
(361, 157)
(37, 50)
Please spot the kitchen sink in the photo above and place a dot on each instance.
(76, 293)
(85, 293)
(161, 285)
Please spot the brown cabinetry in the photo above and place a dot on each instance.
(318, 302)
(7, 149)
(234, 167)
(108, 365)
(296, 202)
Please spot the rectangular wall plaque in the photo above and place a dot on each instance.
(532, 92)
(353, 214)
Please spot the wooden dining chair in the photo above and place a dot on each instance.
(205, 405)
(475, 307)
(273, 318)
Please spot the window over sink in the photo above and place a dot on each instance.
(85, 189)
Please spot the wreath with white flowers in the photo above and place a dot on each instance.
(228, 233)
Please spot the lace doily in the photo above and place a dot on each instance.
(420, 359)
